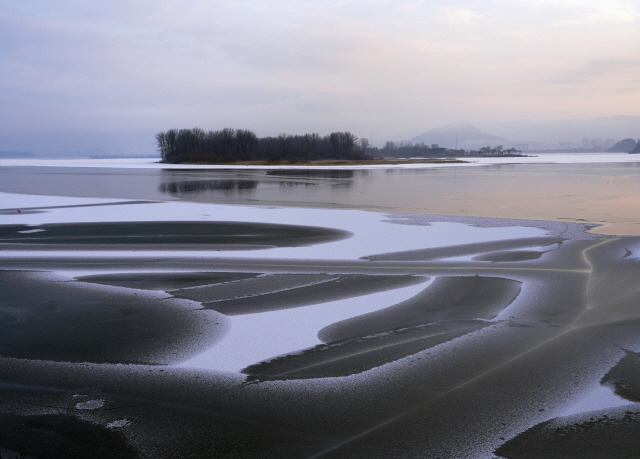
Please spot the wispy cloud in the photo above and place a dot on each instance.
(621, 74)
(589, 12)
(461, 17)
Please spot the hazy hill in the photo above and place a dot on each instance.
(15, 154)
(460, 135)
(613, 127)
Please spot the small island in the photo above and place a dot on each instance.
(242, 146)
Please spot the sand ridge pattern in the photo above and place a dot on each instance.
(485, 357)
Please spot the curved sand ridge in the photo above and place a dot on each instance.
(509, 335)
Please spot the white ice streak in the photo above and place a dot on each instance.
(118, 423)
(371, 234)
(90, 405)
(256, 337)
(31, 231)
(21, 201)
(600, 398)
(153, 163)
(261, 336)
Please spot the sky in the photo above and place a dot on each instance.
(109, 75)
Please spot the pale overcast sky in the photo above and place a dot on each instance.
(85, 72)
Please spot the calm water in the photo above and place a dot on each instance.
(599, 193)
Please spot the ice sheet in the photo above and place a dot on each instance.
(599, 398)
(371, 233)
(256, 337)
(153, 163)
(17, 201)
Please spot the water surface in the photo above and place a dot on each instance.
(606, 194)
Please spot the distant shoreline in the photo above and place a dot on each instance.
(336, 162)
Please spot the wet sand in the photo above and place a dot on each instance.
(163, 236)
(50, 317)
(484, 359)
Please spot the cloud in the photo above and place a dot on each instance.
(618, 70)
(588, 12)
(461, 17)
(286, 65)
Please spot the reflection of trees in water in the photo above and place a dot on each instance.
(285, 184)
(335, 178)
(320, 173)
(177, 182)
(201, 186)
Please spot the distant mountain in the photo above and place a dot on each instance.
(15, 154)
(613, 127)
(460, 135)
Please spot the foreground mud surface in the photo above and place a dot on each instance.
(526, 347)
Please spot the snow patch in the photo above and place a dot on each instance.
(90, 405)
(261, 336)
(153, 163)
(31, 231)
(118, 424)
(599, 398)
(372, 233)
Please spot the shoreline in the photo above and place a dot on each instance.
(154, 163)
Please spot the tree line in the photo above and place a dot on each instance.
(230, 145)
(626, 146)
(421, 150)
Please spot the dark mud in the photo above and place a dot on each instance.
(163, 236)
(515, 255)
(483, 248)
(483, 362)
(446, 299)
(61, 436)
(355, 355)
(164, 281)
(283, 291)
(600, 434)
(47, 317)
(624, 377)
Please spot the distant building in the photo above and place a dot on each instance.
(597, 144)
(609, 143)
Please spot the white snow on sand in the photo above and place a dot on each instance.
(599, 398)
(255, 337)
(118, 423)
(18, 201)
(153, 163)
(90, 405)
(260, 336)
(371, 234)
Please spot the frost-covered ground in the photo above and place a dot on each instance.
(371, 232)
(251, 337)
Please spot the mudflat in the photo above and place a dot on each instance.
(162, 236)
(475, 348)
